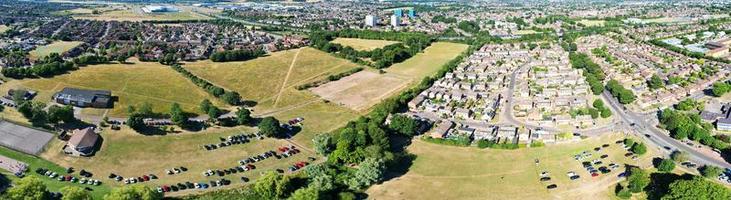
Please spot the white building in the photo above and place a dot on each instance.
(371, 20)
(395, 20)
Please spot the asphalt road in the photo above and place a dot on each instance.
(645, 127)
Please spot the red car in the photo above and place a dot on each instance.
(146, 178)
(165, 188)
(594, 175)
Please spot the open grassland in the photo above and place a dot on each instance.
(261, 79)
(362, 90)
(3, 28)
(55, 47)
(363, 44)
(472, 173)
(590, 23)
(136, 14)
(428, 62)
(52, 184)
(129, 154)
(271, 81)
(134, 84)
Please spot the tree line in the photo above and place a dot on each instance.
(52, 65)
(592, 72)
(666, 185)
(230, 97)
(682, 125)
(236, 55)
(330, 78)
(410, 44)
(622, 94)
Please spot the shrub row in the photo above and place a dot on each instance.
(329, 78)
(230, 97)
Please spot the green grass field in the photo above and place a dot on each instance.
(472, 173)
(55, 47)
(52, 184)
(363, 44)
(429, 62)
(590, 23)
(134, 84)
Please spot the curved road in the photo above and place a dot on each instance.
(644, 126)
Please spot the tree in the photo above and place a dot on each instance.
(75, 193)
(243, 116)
(308, 193)
(403, 125)
(214, 112)
(710, 171)
(272, 186)
(26, 108)
(655, 82)
(40, 117)
(639, 148)
(231, 98)
(26, 188)
(720, 88)
(605, 113)
(687, 104)
(58, 113)
(370, 171)
(623, 192)
(679, 156)
(133, 192)
(598, 104)
(666, 165)
(638, 180)
(629, 142)
(177, 116)
(145, 110)
(205, 105)
(270, 127)
(136, 122)
(322, 143)
(697, 188)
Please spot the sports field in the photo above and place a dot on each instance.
(471, 173)
(55, 47)
(587, 22)
(135, 13)
(129, 154)
(363, 44)
(134, 84)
